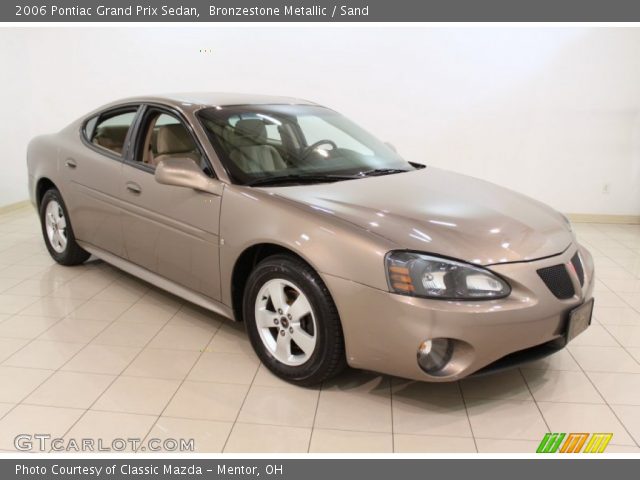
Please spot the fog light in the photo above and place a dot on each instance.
(434, 354)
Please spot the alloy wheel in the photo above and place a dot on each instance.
(56, 226)
(286, 322)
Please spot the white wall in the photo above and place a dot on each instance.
(551, 112)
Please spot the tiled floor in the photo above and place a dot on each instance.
(92, 352)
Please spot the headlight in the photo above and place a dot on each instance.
(420, 275)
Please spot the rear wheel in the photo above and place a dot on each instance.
(57, 231)
(292, 321)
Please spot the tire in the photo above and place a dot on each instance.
(292, 355)
(61, 243)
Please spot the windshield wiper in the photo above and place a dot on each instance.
(297, 178)
(381, 171)
(321, 178)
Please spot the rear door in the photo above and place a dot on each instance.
(95, 172)
(171, 231)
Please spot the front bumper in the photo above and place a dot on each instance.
(383, 330)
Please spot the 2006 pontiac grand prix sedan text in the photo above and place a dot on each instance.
(330, 247)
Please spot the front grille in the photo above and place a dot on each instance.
(577, 264)
(557, 279)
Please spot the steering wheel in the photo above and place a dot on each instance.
(313, 146)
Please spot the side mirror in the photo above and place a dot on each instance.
(184, 172)
(391, 146)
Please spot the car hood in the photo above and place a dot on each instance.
(444, 213)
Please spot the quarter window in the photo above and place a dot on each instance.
(90, 126)
(110, 132)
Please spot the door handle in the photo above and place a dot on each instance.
(70, 163)
(134, 188)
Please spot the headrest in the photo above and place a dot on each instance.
(173, 139)
(249, 132)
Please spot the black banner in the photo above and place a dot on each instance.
(319, 11)
(316, 469)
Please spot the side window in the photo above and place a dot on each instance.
(110, 131)
(165, 137)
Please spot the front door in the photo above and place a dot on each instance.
(171, 231)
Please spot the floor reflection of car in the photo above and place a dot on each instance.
(328, 245)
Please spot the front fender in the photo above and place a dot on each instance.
(329, 244)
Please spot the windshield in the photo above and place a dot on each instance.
(295, 142)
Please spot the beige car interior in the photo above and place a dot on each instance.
(168, 141)
(111, 137)
(250, 150)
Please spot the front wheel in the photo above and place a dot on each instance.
(292, 321)
(57, 231)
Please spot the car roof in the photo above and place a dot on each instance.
(214, 99)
